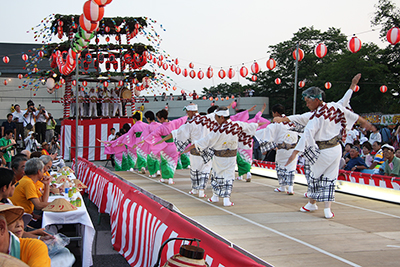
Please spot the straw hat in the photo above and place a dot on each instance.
(60, 205)
(66, 168)
(79, 184)
(9, 261)
(62, 179)
(10, 212)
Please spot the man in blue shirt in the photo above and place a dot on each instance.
(9, 124)
(356, 163)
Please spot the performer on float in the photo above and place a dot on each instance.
(117, 105)
(224, 139)
(320, 144)
(105, 103)
(195, 128)
(93, 101)
(283, 137)
(146, 157)
(167, 150)
(81, 98)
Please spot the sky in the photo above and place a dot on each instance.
(217, 33)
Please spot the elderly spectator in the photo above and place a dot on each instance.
(26, 193)
(18, 117)
(7, 143)
(356, 163)
(40, 126)
(27, 153)
(392, 163)
(375, 135)
(50, 127)
(31, 251)
(18, 166)
(366, 153)
(31, 144)
(9, 124)
(7, 184)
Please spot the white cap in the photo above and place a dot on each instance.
(223, 113)
(363, 140)
(388, 147)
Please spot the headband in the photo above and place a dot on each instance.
(191, 107)
(223, 113)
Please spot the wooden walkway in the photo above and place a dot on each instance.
(269, 225)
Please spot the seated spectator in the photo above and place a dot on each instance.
(36, 154)
(357, 144)
(351, 136)
(397, 153)
(26, 193)
(18, 166)
(396, 137)
(27, 153)
(45, 151)
(366, 153)
(31, 144)
(392, 163)
(375, 135)
(378, 158)
(356, 163)
(346, 152)
(31, 251)
(7, 184)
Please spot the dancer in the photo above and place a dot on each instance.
(223, 139)
(320, 144)
(283, 137)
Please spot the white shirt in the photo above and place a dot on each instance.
(111, 137)
(19, 115)
(351, 136)
(29, 119)
(41, 117)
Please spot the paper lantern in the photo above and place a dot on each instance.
(320, 50)
(328, 85)
(117, 28)
(204, 97)
(254, 78)
(255, 68)
(34, 70)
(231, 73)
(200, 74)
(176, 61)
(6, 59)
(107, 29)
(161, 58)
(185, 73)
(393, 35)
(178, 70)
(174, 88)
(182, 92)
(112, 57)
(41, 53)
(84, 83)
(192, 74)
(216, 99)
(92, 11)
(210, 72)
(160, 63)
(74, 82)
(165, 66)
(383, 88)
(5, 82)
(244, 71)
(357, 88)
(227, 98)
(173, 67)
(105, 84)
(301, 84)
(117, 38)
(50, 83)
(60, 23)
(271, 64)
(146, 82)
(102, 2)
(87, 25)
(191, 65)
(120, 83)
(221, 74)
(278, 81)
(301, 54)
(354, 45)
(20, 76)
(25, 57)
(211, 98)
(232, 96)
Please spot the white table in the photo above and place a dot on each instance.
(79, 216)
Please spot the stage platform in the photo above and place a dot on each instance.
(364, 232)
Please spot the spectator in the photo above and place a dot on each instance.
(352, 135)
(112, 135)
(50, 127)
(396, 138)
(53, 149)
(26, 193)
(54, 146)
(98, 99)
(7, 143)
(356, 163)
(31, 251)
(194, 95)
(251, 92)
(18, 166)
(29, 118)
(385, 134)
(92, 105)
(18, 117)
(31, 144)
(366, 153)
(375, 135)
(184, 95)
(9, 124)
(171, 97)
(392, 163)
(7, 184)
(346, 152)
(40, 125)
(163, 96)
(397, 153)
(27, 153)
(45, 150)
(155, 99)
(378, 158)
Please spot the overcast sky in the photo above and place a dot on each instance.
(220, 33)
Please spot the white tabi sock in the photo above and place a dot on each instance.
(201, 193)
(227, 202)
(290, 189)
(328, 213)
(215, 198)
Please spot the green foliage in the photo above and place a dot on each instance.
(225, 89)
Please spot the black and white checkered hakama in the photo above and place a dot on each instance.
(285, 177)
(220, 186)
(199, 179)
(207, 154)
(180, 145)
(266, 146)
(321, 189)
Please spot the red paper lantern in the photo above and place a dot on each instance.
(231, 73)
(271, 64)
(117, 28)
(165, 66)
(211, 98)
(357, 88)
(6, 59)
(278, 81)
(174, 88)
(160, 63)
(255, 68)
(254, 78)
(393, 35)
(227, 98)
(210, 72)
(62, 81)
(34, 70)
(146, 82)
(74, 82)
(232, 96)
(185, 73)
(84, 83)
(161, 58)
(107, 29)
(137, 26)
(41, 53)
(301, 54)
(25, 57)
(182, 92)
(176, 61)
(92, 11)
(328, 85)
(173, 67)
(200, 74)
(5, 82)
(204, 97)
(301, 84)
(116, 37)
(105, 83)
(20, 76)
(102, 2)
(216, 99)
(383, 88)
(60, 23)
(221, 74)
(178, 70)
(244, 71)
(87, 25)
(120, 83)
(320, 50)
(192, 74)
(354, 45)
(191, 65)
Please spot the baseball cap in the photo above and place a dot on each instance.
(388, 147)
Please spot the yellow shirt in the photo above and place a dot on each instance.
(34, 252)
(39, 186)
(25, 189)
